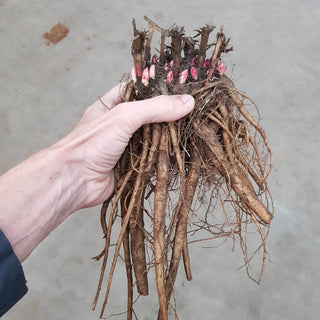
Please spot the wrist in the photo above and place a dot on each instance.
(93, 176)
(67, 178)
(39, 194)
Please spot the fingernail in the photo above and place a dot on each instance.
(187, 100)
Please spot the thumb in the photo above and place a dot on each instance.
(159, 109)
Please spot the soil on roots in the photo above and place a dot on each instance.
(196, 179)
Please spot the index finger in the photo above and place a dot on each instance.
(111, 98)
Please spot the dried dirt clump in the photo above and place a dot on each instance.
(57, 33)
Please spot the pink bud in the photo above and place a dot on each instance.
(171, 63)
(145, 77)
(194, 73)
(154, 59)
(133, 74)
(153, 71)
(206, 63)
(166, 67)
(193, 61)
(183, 76)
(221, 68)
(169, 77)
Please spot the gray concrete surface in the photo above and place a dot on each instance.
(45, 89)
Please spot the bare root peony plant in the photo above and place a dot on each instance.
(199, 178)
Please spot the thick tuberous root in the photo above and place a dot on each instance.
(200, 178)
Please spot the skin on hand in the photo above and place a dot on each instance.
(102, 135)
(77, 171)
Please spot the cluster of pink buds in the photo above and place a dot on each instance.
(168, 66)
(183, 76)
(147, 74)
(150, 73)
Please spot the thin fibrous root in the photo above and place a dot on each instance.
(122, 232)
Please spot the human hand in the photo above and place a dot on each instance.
(101, 136)
(77, 171)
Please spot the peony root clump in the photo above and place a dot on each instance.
(198, 178)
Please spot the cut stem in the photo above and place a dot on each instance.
(205, 32)
(137, 49)
(176, 36)
(163, 36)
(147, 49)
(216, 53)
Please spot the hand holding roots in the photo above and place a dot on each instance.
(215, 160)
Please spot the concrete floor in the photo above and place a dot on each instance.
(45, 89)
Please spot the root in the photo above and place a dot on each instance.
(156, 133)
(238, 180)
(186, 259)
(137, 223)
(181, 227)
(127, 259)
(160, 200)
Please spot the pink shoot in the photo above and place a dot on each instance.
(154, 59)
(194, 73)
(169, 77)
(133, 74)
(183, 76)
(145, 77)
(152, 72)
(193, 61)
(171, 63)
(221, 68)
(206, 63)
